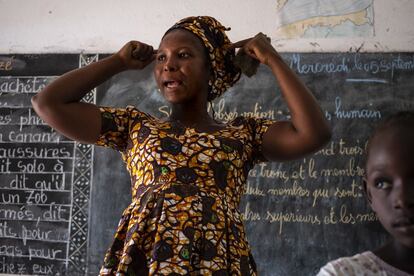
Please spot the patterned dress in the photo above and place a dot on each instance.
(186, 189)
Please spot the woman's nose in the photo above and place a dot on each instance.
(170, 65)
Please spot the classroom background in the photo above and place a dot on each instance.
(60, 201)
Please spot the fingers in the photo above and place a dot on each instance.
(142, 52)
(242, 43)
(261, 37)
(239, 44)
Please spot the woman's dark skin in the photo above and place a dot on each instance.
(182, 73)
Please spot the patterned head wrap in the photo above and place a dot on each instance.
(213, 36)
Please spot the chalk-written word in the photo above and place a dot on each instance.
(23, 181)
(319, 193)
(318, 67)
(5, 119)
(30, 119)
(264, 171)
(363, 113)
(344, 216)
(354, 192)
(23, 84)
(35, 233)
(375, 66)
(10, 250)
(36, 151)
(328, 150)
(222, 114)
(28, 137)
(296, 190)
(351, 169)
(291, 217)
(9, 198)
(36, 197)
(20, 268)
(250, 190)
(44, 253)
(249, 215)
(26, 165)
(51, 213)
(6, 231)
(43, 269)
(8, 165)
(257, 112)
(12, 268)
(344, 149)
(21, 214)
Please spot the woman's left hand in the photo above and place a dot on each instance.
(260, 48)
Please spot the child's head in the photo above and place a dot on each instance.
(390, 176)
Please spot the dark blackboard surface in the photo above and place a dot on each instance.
(45, 179)
(299, 215)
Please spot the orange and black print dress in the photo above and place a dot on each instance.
(186, 188)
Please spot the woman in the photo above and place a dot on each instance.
(188, 171)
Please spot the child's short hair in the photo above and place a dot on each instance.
(402, 120)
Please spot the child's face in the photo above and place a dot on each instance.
(390, 183)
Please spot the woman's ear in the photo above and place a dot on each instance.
(367, 191)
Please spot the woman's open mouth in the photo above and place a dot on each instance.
(172, 83)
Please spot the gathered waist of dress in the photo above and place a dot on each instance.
(185, 190)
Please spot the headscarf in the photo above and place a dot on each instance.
(212, 35)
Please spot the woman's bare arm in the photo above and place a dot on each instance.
(58, 104)
(308, 129)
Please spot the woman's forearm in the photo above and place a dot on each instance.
(72, 86)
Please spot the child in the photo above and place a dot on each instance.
(389, 187)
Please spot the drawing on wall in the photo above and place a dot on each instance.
(324, 18)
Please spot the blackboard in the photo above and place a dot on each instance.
(298, 215)
(45, 178)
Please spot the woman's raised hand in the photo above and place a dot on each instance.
(260, 48)
(136, 55)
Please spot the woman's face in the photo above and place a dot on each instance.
(390, 183)
(181, 68)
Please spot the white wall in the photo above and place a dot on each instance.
(53, 26)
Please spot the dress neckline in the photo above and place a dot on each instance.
(194, 130)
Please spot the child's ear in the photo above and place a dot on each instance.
(367, 192)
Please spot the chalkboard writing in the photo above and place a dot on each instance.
(298, 214)
(44, 177)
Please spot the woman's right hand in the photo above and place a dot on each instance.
(136, 55)
(59, 105)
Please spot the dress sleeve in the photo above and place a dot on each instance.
(258, 128)
(115, 127)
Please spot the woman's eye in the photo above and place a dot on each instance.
(184, 55)
(382, 184)
(160, 58)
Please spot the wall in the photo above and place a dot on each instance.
(47, 26)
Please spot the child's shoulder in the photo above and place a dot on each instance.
(360, 264)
